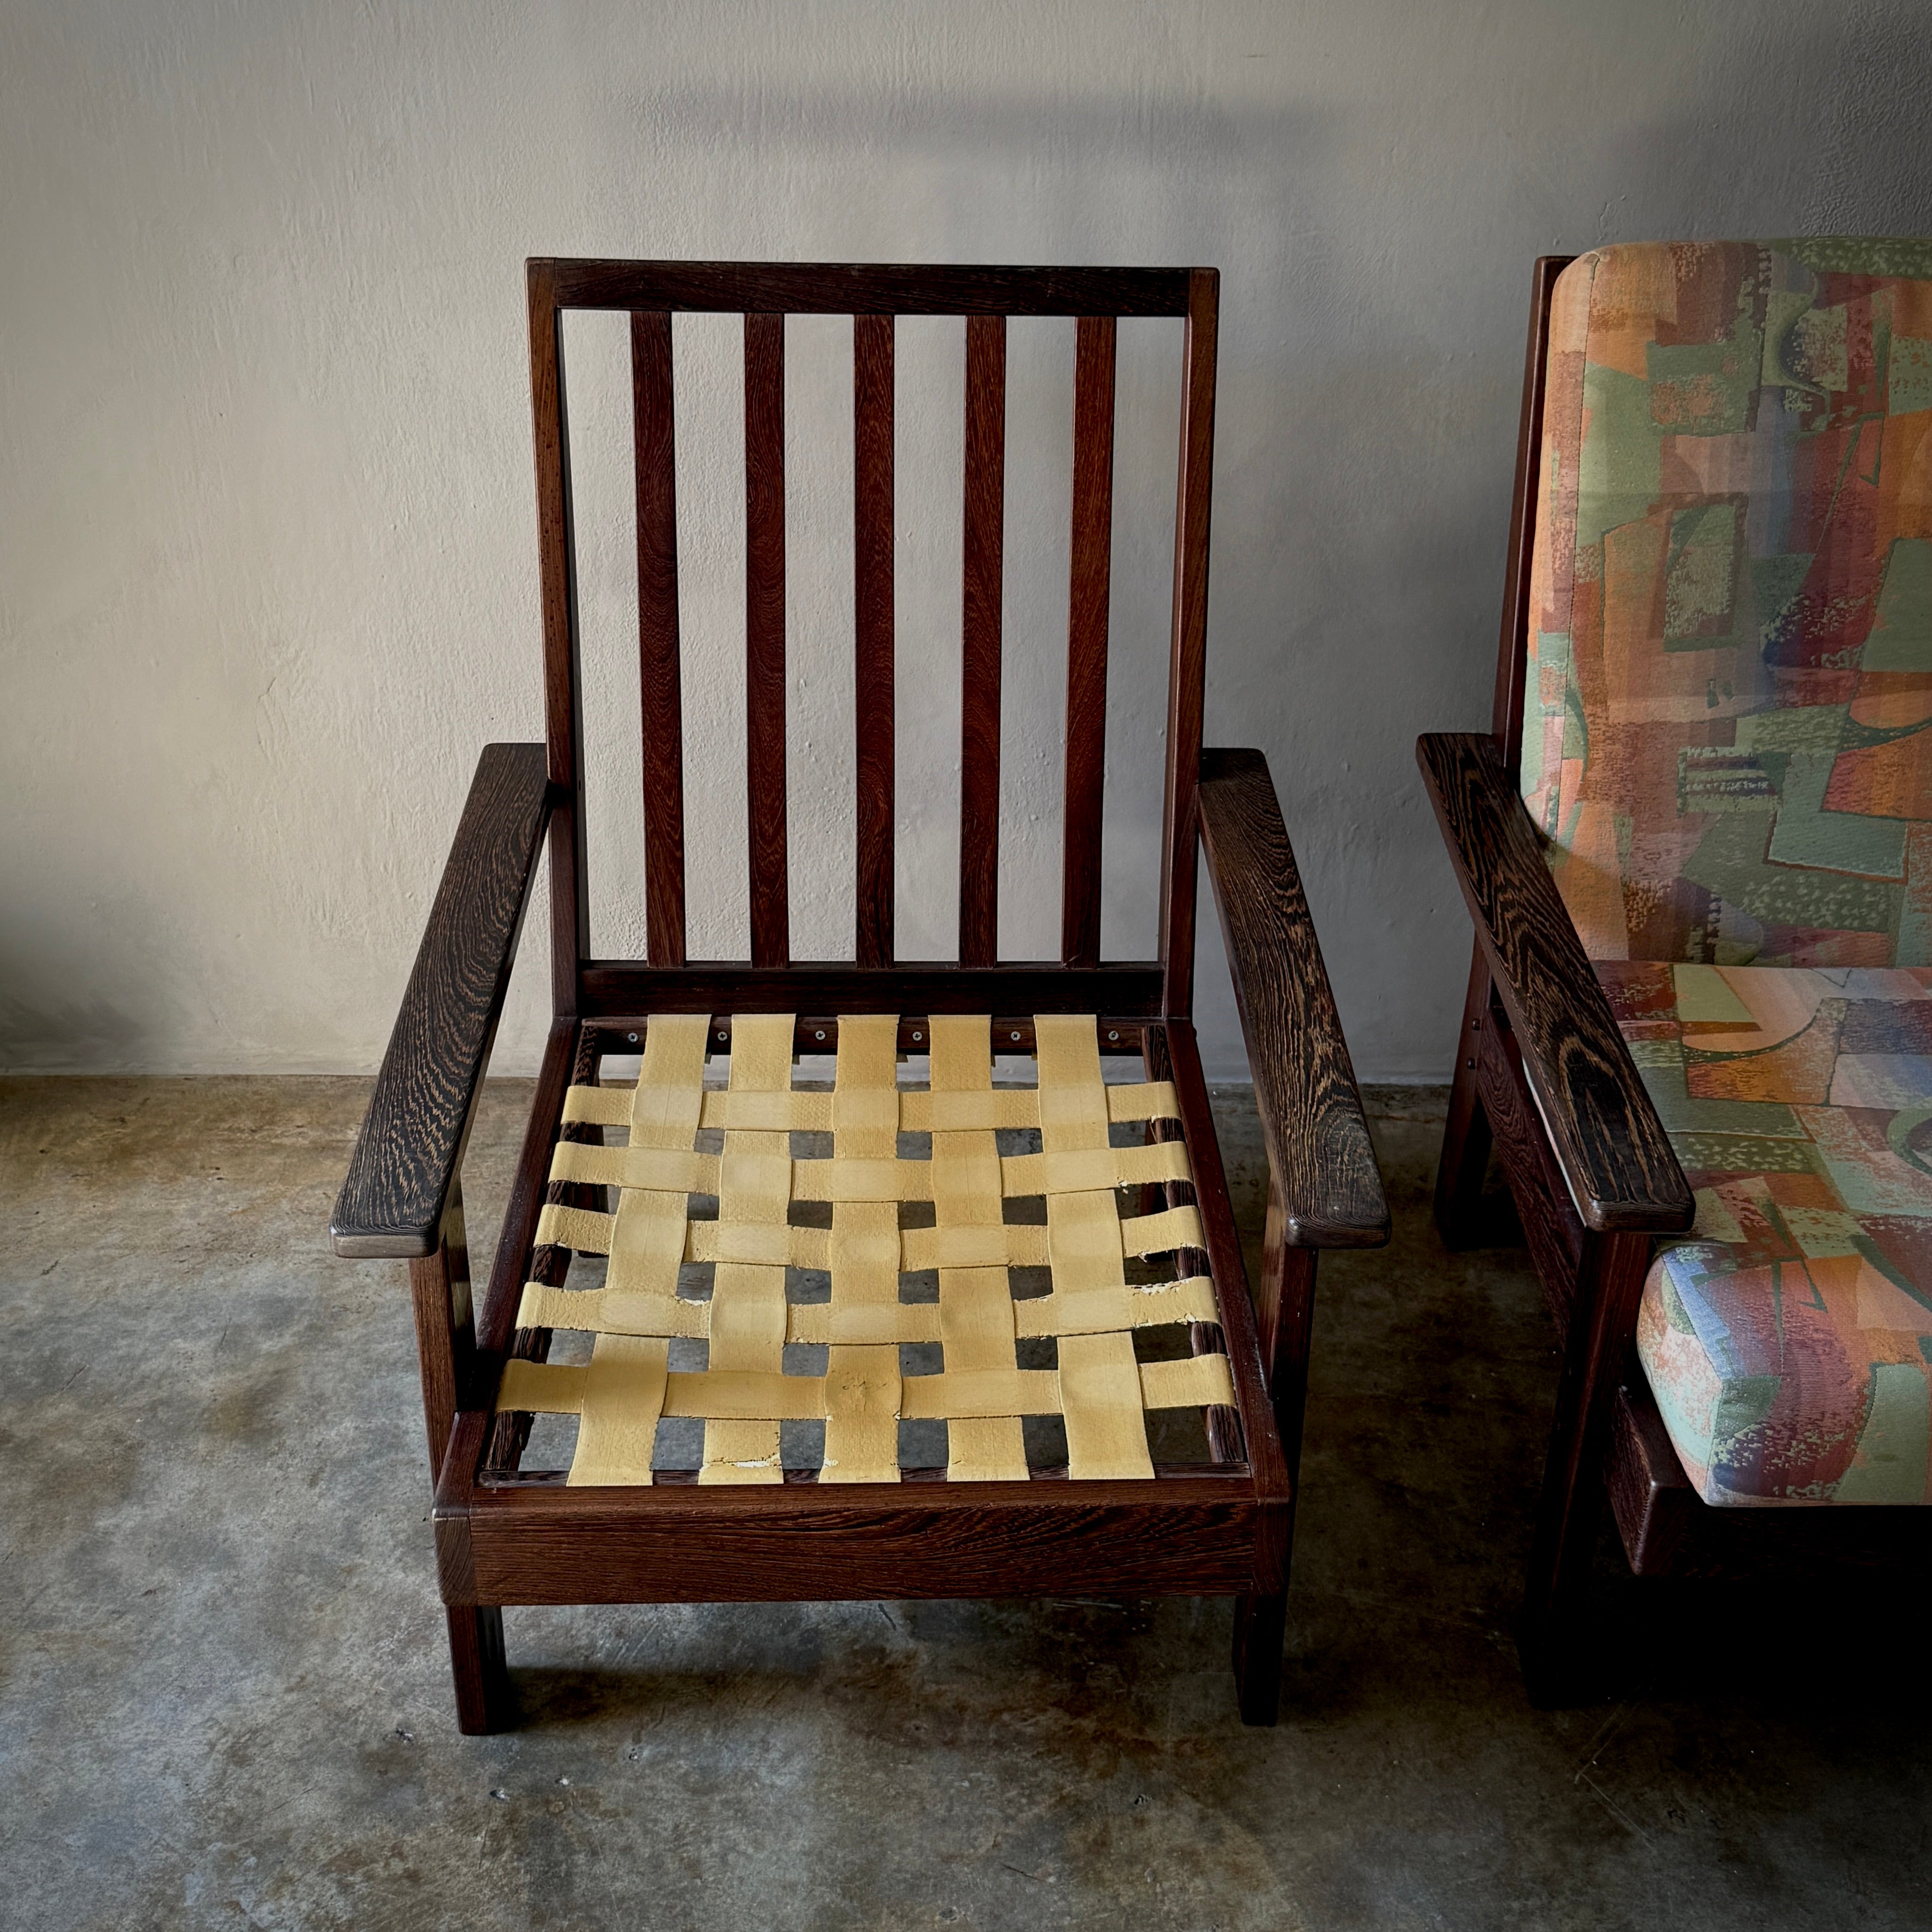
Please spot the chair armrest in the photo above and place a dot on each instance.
(419, 1120)
(1320, 1159)
(1604, 1130)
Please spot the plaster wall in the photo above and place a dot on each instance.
(267, 558)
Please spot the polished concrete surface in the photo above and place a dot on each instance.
(224, 1695)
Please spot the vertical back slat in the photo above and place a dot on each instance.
(662, 703)
(765, 635)
(1087, 603)
(563, 682)
(872, 403)
(1187, 662)
(980, 705)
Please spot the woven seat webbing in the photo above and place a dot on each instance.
(1099, 1387)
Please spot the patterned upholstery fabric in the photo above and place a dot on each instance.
(1726, 730)
(1788, 1341)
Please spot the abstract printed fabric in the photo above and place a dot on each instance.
(1728, 729)
(1789, 1340)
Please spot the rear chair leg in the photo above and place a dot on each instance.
(1465, 1134)
(476, 1662)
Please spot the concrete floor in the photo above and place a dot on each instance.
(224, 1698)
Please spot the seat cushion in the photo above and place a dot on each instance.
(1726, 725)
(1789, 1340)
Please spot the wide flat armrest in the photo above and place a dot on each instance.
(419, 1120)
(1321, 1160)
(1604, 1130)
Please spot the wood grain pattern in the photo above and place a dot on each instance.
(1551, 1227)
(612, 988)
(659, 658)
(1187, 661)
(483, 1699)
(983, 574)
(1319, 1152)
(765, 636)
(783, 1542)
(1512, 655)
(1604, 1130)
(405, 1164)
(875, 724)
(563, 683)
(864, 288)
(1088, 599)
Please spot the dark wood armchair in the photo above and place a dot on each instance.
(1698, 1008)
(760, 1255)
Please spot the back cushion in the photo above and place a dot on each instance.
(1727, 731)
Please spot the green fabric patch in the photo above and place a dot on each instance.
(1901, 632)
(1729, 861)
(1742, 1404)
(1806, 834)
(1804, 727)
(1743, 1153)
(1704, 388)
(1908, 257)
(1619, 471)
(1700, 577)
(1893, 1446)
(1908, 386)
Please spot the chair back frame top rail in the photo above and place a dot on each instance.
(653, 294)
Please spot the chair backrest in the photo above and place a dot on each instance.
(653, 293)
(1726, 633)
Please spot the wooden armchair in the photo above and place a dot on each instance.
(759, 1254)
(1697, 844)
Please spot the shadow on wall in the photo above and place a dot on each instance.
(43, 1033)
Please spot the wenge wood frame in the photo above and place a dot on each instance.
(505, 1536)
(1542, 1077)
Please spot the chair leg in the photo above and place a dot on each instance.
(1465, 1134)
(476, 1662)
(1550, 1638)
(1261, 1627)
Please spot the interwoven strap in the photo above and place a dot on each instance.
(1100, 1388)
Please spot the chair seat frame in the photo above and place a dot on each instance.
(1224, 1527)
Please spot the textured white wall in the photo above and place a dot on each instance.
(267, 566)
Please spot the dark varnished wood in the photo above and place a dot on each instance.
(1319, 1154)
(1087, 608)
(1609, 1282)
(675, 1543)
(659, 658)
(445, 1329)
(404, 1167)
(865, 288)
(610, 987)
(1512, 656)
(872, 365)
(982, 578)
(765, 637)
(562, 670)
(483, 1699)
(1465, 1134)
(1607, 1139)
(1187, 660)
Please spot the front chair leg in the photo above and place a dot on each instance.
(1465, 1134)
(1550, 1639)
(1285, 1311)
(476, 1663)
